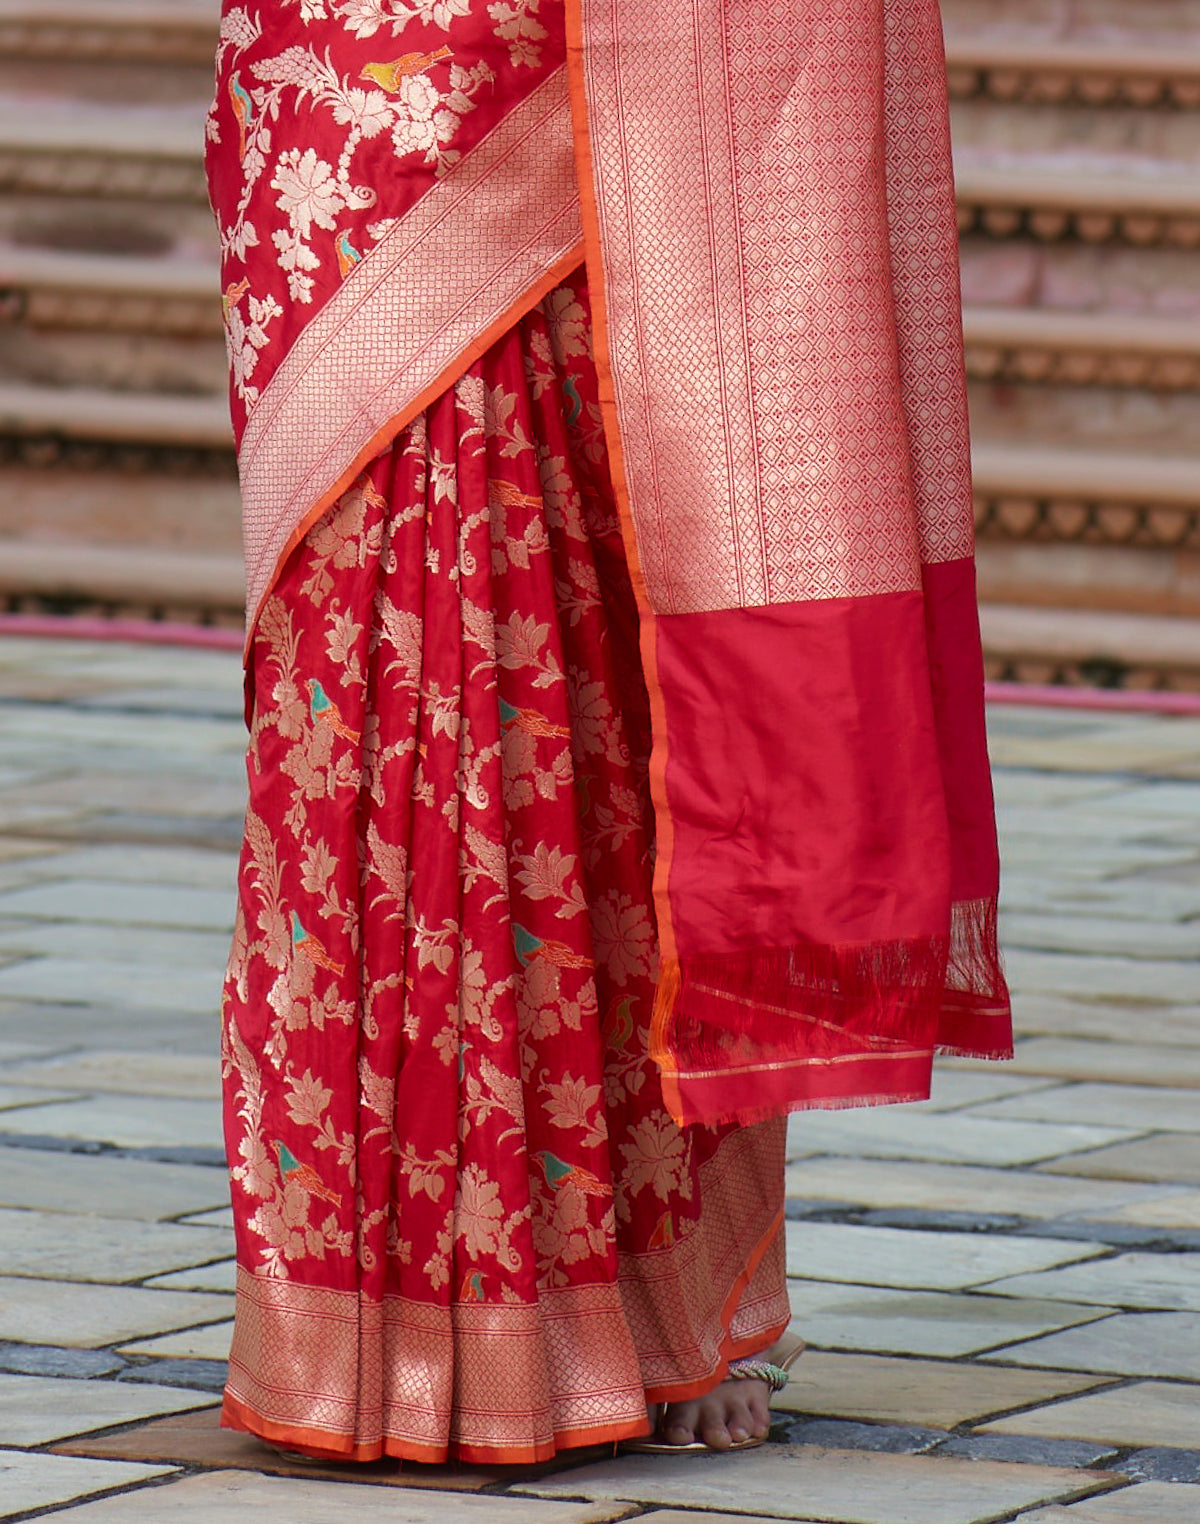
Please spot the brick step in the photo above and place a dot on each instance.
(1079, 647)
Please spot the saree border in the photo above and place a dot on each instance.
(474, 255)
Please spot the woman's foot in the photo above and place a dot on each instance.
(729, 1415)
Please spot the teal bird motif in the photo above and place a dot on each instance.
(347, 255)
(531, 722)
(243, 110)
(324, 711)
(472, 1287)
(528, 947)
(310, 947)
(303, 1175)
(576, 401)
(559, 1173)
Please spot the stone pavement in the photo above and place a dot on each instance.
(1001, 1288)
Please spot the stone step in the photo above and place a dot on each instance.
(1088, 529)
(1111, 23)
(1050, 204)
(110, 293)
(131, 580)
(81, 414)
(107, 50)
(1031, 645)
(1085, 73)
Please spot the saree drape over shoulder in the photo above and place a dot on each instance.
(597, 376)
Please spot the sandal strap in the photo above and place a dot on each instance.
(751, 1369)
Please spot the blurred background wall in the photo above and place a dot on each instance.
(1077, 129)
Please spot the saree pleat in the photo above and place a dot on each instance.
(466, 1224)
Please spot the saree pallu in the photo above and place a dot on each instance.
(763, 198)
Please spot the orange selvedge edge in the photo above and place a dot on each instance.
(669, 978)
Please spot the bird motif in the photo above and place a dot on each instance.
(664, 1233)
(573, 397)
(243, 110)
(559, 1173)
(509, 495)
(303, 1175)
(324, 711)
(347, 255)
(617, 1028)
(472, 1287)
(232, 295)
(531, 722)
(310, 947)
(529, 947)
(388, 75)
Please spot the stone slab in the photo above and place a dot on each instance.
(939, 1394)
(1157, 801)
(1150, 1503)
(930, 1261)
(1129, 1344)
(804, 1482)
(1169, 1282)
(954, 1137)
(209, 1343)
(1068, 974)
(148, 1122)
(160, 740)
(1115, 1021)
(954, 1087)
(224, 1497)
(44, 1481)
(13, 1097)
(194, 868)
(51, 1246)
(35, 1410)
(1147, 1413)
(116, 944)
(113, 1188)
(58, 1312)
(961, 1188)
(75, 1024)
(1134, 1062)
(122, 904)
(221, 1276)
(182, 1076)
(1174, 1209)
(1153, 751)
(922, 1322)
(1098, 934)
(1167, 1156)
(1149, 1108)
(98, 981)
(220, 1217)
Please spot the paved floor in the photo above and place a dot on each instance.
(1002, 1287)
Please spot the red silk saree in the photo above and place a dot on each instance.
(618, 778)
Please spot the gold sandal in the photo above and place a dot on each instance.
(772, 1366)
